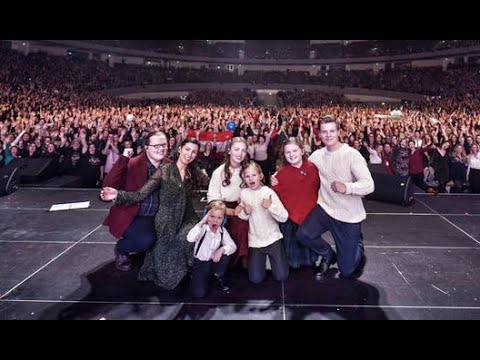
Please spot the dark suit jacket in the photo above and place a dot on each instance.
(129, 175)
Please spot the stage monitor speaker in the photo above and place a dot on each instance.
(377, 168)
(32, 170)
(9, 180)
(392, 189)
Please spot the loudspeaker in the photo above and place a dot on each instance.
(32, 170)
(378, 168)
(9, 180)
(392, 188)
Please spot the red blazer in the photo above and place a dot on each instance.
(129, 175)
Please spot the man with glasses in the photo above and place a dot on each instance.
(134, 225)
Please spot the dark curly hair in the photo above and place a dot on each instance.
(197, 178)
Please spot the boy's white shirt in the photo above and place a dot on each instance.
(211, 242)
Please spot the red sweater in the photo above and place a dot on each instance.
(415, 165)
(298, 190)
(387, 161)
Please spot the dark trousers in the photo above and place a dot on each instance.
(348, 239)
(139, 236)
(202, 272)
(298, 255)
(474, 180)
(257, 258)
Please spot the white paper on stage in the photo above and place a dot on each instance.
(70, 206)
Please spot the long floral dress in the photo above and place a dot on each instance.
(168, 261)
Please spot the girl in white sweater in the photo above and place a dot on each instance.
(263, 210)
(225, 185)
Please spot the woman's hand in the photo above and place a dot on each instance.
(108, 194)
(238, 210)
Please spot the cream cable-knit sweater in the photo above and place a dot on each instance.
(263, 223)
(216, 191)
(348, 166)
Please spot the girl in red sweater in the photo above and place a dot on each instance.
(297, 186)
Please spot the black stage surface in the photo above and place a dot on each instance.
(423, 263)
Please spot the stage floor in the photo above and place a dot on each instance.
(423, 263)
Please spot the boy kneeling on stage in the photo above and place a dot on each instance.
(213, 247)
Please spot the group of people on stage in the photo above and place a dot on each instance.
(245, 221)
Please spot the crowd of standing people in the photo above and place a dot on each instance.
(151, 157)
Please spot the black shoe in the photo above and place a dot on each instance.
(322, 268)
(122, 262)
(221, 283)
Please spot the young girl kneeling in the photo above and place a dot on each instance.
(264, 210)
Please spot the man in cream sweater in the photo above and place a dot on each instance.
(344, 179)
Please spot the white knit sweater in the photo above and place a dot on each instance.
(216, 190)
(263, 224)
(348, 166)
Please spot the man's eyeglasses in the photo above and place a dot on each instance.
(159, 146)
